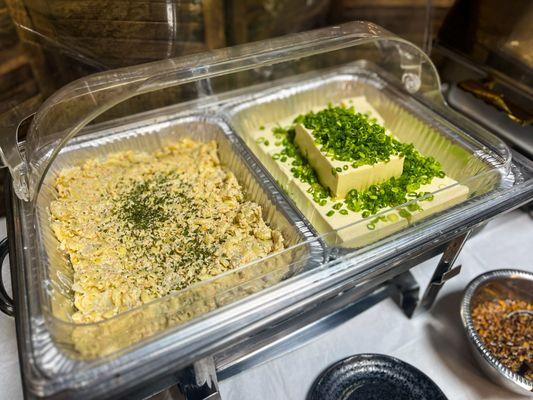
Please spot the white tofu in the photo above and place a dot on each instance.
(349, 230)
(348, 178)
(446, 194)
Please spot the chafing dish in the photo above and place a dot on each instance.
(253, 312)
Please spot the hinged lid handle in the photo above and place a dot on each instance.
(10, 152)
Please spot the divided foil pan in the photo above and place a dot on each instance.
(302, 249)
(172, 332)
(226, 123)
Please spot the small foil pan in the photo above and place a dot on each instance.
(493, 286)
(408, 119)
(302, 250)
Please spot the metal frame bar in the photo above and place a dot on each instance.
(444, 271)
(403, 289)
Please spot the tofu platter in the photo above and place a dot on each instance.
(309, 140)
(342, 181)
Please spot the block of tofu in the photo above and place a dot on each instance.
(446, 193)
(358, 234)
(349, 230)
(348, 178)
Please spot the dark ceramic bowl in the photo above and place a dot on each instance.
(373, 377)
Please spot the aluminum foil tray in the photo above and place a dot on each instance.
(96, 340)
(496, 285)
(408, 119)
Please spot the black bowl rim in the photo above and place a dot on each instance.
(372, 357)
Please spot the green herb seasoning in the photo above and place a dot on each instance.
(346, 135)
(337, 206)
(417, 170)
(143, 206)
(263, 140)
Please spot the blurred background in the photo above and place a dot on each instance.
(44, 44)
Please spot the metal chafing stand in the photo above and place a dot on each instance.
(246, 331)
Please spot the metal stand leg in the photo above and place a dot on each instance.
(197, 382)
(406, 293)
(407, 289)
(444, 271)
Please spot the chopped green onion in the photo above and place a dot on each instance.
(404, 213)
(393, 217)
(361, 142)
(350, 136)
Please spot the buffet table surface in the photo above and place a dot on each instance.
(434, 342)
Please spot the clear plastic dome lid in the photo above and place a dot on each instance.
(204, 78)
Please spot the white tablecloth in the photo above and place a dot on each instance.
(433, 342)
